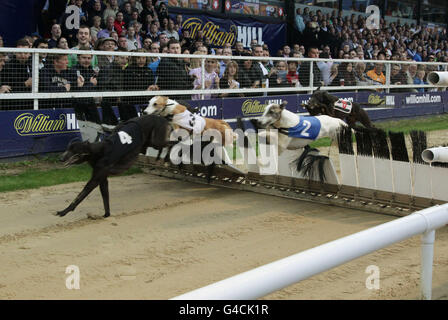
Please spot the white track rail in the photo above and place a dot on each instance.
(274, 276)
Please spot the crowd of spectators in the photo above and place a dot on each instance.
(146, 26)
(348, 37)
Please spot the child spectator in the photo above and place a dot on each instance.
(420, 79)
(277, 78)
(292, 76)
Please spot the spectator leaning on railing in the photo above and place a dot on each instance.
(41, 44)
(3, 87)
(105, 63)
(230, 79)
(277, 78)
(211, 78)
(83, 40)
(57, 77)
(304, 72)
(85, 108)
(17, 74)
(137, 77)
(250, 74)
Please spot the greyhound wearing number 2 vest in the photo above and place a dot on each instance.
(295, 132)
(115, 154)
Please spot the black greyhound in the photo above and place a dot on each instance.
(115, 154)
(321, 102)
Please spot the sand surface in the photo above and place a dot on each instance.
(167, 237)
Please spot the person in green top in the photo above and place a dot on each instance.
(83, 37)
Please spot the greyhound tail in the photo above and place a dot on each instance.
(311, 165)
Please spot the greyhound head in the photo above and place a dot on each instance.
(313, 106)
(77, 152)
(271, 114)
(160, 105)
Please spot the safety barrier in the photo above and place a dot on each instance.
(266, 279)
(36, 92)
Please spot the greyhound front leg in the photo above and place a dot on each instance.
(104, 188)
(92, 184)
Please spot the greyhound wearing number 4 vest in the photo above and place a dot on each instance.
(295, 132)
(115, 154)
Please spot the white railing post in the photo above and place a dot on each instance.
(35, 79)
(388, 69)
(202, 77)
(311, 77)
(426, 264)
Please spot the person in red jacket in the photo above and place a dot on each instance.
(119, 24)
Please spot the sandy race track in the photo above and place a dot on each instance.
(167, 237)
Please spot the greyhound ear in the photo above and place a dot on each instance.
(283, 104)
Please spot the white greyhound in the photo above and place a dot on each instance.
(297, 131)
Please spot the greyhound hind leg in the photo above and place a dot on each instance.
(104, 188)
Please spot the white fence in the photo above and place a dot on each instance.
(34, 72)
(274, 276)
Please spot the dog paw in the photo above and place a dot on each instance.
(61, 213)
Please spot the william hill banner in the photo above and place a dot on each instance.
(36, 131)
(30, 132)
(220, 31)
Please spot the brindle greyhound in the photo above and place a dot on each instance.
(321, 102)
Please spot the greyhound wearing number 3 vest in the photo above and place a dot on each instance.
(115, 154)
(295, 132)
